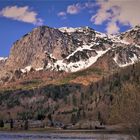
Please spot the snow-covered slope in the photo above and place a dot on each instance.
(72, 49)
(124, 52)
(78, 65)
(71, 30)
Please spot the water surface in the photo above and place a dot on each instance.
(61, 136)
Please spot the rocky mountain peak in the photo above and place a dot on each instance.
(78, 29)
(137, 27)
(72, 49)
(31, 48)
(132, 35)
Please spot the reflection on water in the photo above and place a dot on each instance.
(60, 136)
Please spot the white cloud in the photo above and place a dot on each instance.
(124, 12)
(112, 28)
(100, 17)
(21, 14)
(74, 9)
(89, 4)
(61, 14)
(78, 7)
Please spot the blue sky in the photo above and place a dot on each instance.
(18, 17)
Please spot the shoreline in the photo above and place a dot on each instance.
(68, 131)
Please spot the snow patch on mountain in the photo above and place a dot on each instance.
(136, 45)
(76, 66)
(26, 69)
(3, 58)
(39, 69)
(133, 60)
(67, 29)
(71, 30)
(85, 46)
(116, 39)
(100, 35)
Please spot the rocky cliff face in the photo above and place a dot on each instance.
(34, 48)
(132, 35)
(72, 49)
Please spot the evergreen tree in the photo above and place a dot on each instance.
(26, 125)
(1, 123)
(11, 123)
(74, 100)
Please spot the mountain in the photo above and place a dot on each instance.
(74, 76)
(72, 49)
(132, 35)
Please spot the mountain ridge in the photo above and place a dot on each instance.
(71, 49)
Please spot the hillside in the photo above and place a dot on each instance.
(72, 78)
(69, 102)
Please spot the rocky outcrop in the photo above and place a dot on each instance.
(33, 48)
(132, 35)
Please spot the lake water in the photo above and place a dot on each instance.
(61, 136)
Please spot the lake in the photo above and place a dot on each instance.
(60, 136)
